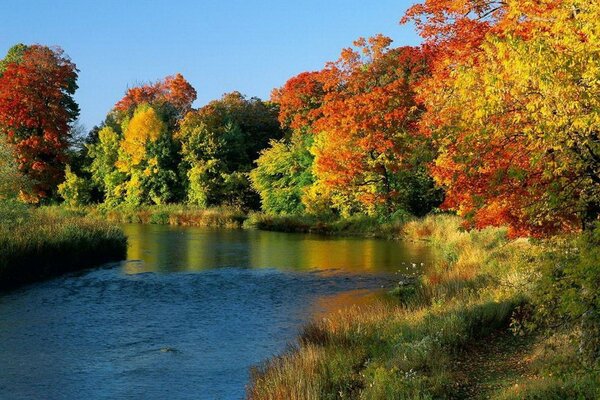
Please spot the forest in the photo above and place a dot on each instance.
(505, 136)
(491, 127)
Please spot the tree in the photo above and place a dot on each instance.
(146, 153)
(172, 95)
(517, 119)
(74, 190)
(368, 149)
(219, 143)
(283, 172)
(11, 180)
(36, 111)
(300, 99)
(104, 155)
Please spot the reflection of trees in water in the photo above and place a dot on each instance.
(325, 305)
(168, 248)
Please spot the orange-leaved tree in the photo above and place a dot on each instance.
(516, 117)
(367, 150)
(37, 109)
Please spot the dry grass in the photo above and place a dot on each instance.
(221, 217)
(405, 350)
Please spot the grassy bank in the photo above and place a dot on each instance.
(44, 242)
(359, 225)
(171, 214)
(484, 286)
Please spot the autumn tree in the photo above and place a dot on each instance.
(219, 143)
(367, 149)
(283, 173)
(133, 156)
(172, 96)
(145, 158)
(516, 119)
(37, 108)
(300, 99)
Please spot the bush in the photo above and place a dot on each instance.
(567, 294)
(74, 190)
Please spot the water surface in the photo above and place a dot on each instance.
(187, 314)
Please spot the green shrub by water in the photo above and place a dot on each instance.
(39, 243)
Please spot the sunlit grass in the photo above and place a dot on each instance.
(173, 214)
(408, 350)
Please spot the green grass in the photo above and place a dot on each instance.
(48, 241)
(409, 350)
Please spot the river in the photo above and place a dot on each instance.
(187, 314)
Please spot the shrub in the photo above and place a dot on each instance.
(74, 190)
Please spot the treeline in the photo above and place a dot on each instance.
(495, 116)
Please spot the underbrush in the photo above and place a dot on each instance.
(482, 283)
(43, 242)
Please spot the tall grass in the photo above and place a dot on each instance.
(49, 241)
(172, 214)
(408, 350)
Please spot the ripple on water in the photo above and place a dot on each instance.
(105, 334)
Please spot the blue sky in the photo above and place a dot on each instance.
(219, 46)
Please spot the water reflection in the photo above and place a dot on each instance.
(158, 248)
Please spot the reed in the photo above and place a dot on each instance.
(49, 241)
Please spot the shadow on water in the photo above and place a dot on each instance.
(187, 314)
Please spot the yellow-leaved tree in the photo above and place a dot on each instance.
(517, 119)
(146, 155)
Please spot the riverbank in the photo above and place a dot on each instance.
(484, 288)
(359, 225)
(227, 217)
(47, 241)
(169, 214)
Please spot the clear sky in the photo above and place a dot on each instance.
(219, 46)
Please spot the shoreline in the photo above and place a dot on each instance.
(48, 244)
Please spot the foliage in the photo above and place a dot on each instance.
(36, 110)
(145, 157)
(74, 190)
(568, 291)
(282, 173)
(368, 155)
(367, 128)
(300, 99)
(133, 155)
(12, 211)
(11, 180)
(219, 142)
(514, 111)
(173, 94)
(104, 155)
